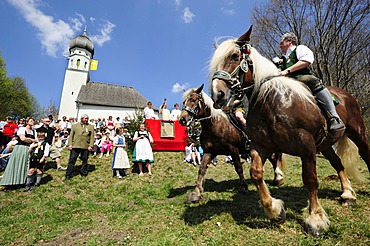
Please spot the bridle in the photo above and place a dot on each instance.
(194, 112)
(234, 80)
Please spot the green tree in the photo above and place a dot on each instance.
(15, 99)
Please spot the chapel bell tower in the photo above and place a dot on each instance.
(81, 51)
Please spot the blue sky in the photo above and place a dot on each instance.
(160, 47)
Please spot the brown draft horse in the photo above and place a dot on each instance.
(284, 117)
(218, 137)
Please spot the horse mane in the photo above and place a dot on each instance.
(215, 113)
(262, 69)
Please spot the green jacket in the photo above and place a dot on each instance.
(82, 136)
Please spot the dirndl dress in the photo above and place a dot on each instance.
(17, 168)
(120, 158)
(143, 151)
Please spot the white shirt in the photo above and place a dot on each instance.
(303, 53)
(175, 114)
(166, 115)
(149, 113)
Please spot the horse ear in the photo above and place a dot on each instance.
(199, 89)
(246, 37)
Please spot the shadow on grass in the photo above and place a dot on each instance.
(245, 208)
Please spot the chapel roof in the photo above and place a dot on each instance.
(103, 94)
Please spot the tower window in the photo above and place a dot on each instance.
(72, 93)
(78, 62)
(85, 65)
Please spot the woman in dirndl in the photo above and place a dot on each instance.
(143, 150)
(120, 163)
(18, 164)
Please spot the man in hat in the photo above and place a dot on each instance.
(80, 141)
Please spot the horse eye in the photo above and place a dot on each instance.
(235, 57)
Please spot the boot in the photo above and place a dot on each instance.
(29, 180)
(326, 100)
(247, 143)
(126, 173)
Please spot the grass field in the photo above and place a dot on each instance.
(102, 210)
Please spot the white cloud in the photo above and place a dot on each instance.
(179, 88)
(187, 16)
(53, 34)
(177, 3)
(105, 33)
(228, 11)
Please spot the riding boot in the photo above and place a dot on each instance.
(247, 143)
(326, 100)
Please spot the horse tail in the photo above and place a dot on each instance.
(348, 153)
(283, 162)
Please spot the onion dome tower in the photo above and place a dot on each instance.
(81, 51)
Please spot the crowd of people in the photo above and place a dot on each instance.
(26, 144)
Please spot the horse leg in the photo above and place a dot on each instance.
(277, 162)
(317, 220)
(197, 194)
(239, 169)
(348, 196)
(274, 208)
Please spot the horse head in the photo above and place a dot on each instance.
(231, 70)
(191, 106)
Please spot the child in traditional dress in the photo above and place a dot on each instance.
(120, 159)
(143, 152)
(38, 153)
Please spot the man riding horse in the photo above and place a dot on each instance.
(295, 63)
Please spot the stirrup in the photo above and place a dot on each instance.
(335, 124)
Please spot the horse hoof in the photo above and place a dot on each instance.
(191, 198)
(278, 182)
(281, 218)
(315, 233)
(348, 202)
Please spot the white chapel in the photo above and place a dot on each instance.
(97, 99)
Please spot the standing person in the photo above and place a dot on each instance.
(18, 164)
(80, 141)
(120, 158)
(110, 125)
(49, 138)
(175, 112)
(143, 151)
(149, 111)
(39, 151)
(163, 110)
(296, 61)
(9, 129)
(69, 124)
(63, 125)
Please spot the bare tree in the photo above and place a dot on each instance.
(336, 31)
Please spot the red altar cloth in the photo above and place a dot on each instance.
(163, 142)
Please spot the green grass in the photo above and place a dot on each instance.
(102, 210)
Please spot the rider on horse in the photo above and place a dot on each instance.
(295, 63)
